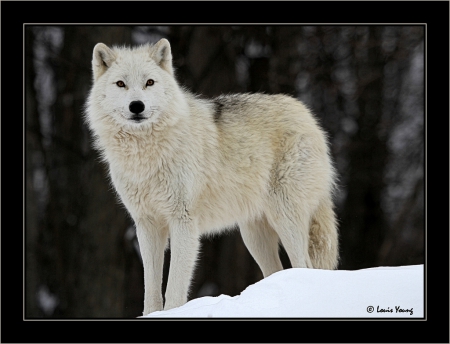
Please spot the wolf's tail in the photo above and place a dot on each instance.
(323, 237)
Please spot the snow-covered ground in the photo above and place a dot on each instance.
(388, 292)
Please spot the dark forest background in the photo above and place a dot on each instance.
(364, 83)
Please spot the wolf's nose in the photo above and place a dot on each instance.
(137, 106)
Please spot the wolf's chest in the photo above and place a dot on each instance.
(142, 188)
(146, 183)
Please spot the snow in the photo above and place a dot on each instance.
(393, 292)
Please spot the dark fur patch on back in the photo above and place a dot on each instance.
(218, 107)
(232, 104)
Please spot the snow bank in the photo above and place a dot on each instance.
(388, 292)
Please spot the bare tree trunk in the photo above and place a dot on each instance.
(363, 217)
(404, 240)
(284, 63)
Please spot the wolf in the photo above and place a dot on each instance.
(184, 166)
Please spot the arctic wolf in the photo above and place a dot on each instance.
(185, 166)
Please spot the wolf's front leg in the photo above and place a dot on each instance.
(184, 244)
(152, 241)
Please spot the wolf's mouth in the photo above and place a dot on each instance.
(138, 118)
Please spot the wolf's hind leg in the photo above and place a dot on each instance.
(292, 224)
(262, 242)
(293, 229)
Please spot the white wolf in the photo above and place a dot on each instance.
(185, 166)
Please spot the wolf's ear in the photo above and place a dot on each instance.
(162, 55)
(102, 59)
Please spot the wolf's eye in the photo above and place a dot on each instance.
(150, 82)
(120, 83)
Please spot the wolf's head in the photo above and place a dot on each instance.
(133, 86)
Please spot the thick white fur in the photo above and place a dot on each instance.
(196, 166)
